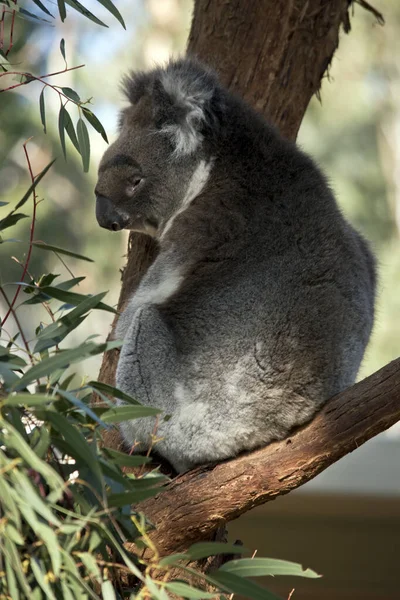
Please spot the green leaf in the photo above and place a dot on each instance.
(70, 283)
(62, 48)
(125, 413)
(61, 127)
(41, 578)
(156, 591)
(56, 332)
(73, 298)
(84, 143)
(42, 7)
(69, 128)
(13, 439)
(128, 498)
(38, 178)
(259, 567)
(11, 219)
(95, 123)
(58, 361)
(81, 405)
(183, 590)
(58, 250)
(78, 446)
(11, 552)
(71, 94)
(27, 399)
(112, 391)
(42, 109)
(85, 12)
(90, 563)
(206, 549)
(234, 584)
(62, 10)
(107, 591)
(126, 460)
(11, 580)
(113, 10)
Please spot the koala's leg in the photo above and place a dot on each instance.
(147, 369)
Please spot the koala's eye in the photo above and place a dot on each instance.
(132, 185)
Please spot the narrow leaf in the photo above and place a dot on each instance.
(61, 130)
(107, 591)
(62, 48)
(11, 219)
(84, 144)
(112, 391)
(38, 178)
(58, 250)
(183, 590)
(71, 94)
(85, 12)
(43, 8)
(260, 567)
(113, 10)
(69, 128)
(62, 10)
(94, 121)
(237, 585)
(126, 460)
(124, 413)
(128, 498)
(27, 400)
(206, 549)
(42, 109)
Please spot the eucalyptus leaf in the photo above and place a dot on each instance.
(43, 7)
(206, 549)
(113, 10)
(62, 10)
(85, 12)
(183, 590)
(112, 391)
(42, 109)
(127, 412)
(37, 180)
(58, 250)
(62, 48)
(95, 123)
(84, 144)
(260, 567)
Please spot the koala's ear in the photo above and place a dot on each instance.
(187, 100)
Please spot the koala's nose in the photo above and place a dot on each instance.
(107, 216)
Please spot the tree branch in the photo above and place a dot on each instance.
(198, 502)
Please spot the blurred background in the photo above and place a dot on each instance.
(345, 523)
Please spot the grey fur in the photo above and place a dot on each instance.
(260, 304)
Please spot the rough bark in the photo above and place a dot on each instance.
(197, 503)
(274, 53)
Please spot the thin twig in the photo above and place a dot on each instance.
(40, 78)
(32, 231)
(10, 40)
(14, 314)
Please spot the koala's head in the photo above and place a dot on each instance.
(163, 154)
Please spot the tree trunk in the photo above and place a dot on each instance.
(274, 53)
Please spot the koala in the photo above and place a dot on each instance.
(260, 303)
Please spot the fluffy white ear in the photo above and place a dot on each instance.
(190, 99)
(186, 98)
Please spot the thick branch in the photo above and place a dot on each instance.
(198, 502)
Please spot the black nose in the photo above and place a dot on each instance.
(107, 215)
